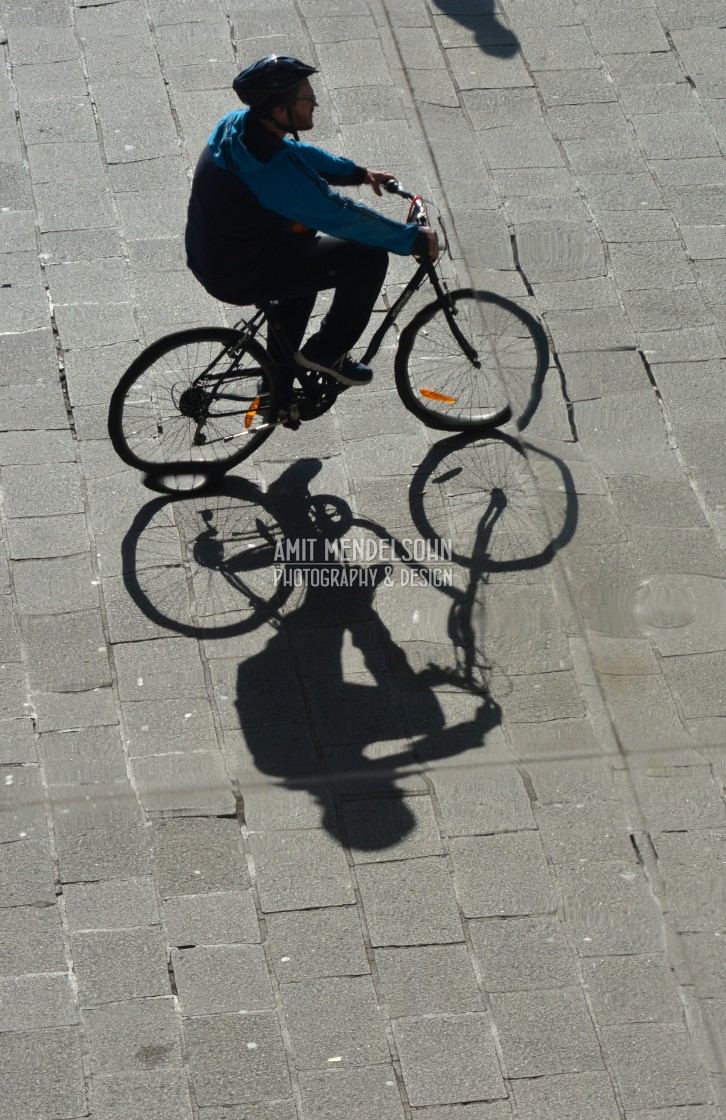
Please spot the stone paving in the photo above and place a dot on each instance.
(276, 857)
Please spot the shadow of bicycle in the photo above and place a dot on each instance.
(336, 695)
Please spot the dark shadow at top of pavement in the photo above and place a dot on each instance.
(482, 19)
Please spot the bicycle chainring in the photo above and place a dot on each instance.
(317, 393)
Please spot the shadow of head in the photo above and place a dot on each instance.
(481, 18)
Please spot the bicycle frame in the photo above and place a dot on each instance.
(426, 270)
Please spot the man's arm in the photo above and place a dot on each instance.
(290, 187)
(335, 170)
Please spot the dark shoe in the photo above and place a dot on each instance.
(344, 369)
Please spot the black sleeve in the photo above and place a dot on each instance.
(355, 179)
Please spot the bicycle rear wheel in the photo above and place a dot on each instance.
(470, 375)
(196, 401)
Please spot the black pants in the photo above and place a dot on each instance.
(355, 271)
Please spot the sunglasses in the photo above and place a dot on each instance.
(311, 98)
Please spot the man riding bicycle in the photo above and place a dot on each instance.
(263, 223)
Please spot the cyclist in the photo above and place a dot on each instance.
(264, 224)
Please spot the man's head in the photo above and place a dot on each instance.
(277, 89)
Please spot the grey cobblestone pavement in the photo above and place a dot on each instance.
(259, 858)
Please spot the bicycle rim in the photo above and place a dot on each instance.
(479, 380)
(483, 490)
(204, 566)
(195, 399)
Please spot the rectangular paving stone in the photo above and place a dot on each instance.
(237, 1058)
(17, 742)
(521, 954)
(574, 87)
(51, 488)
(300, 870)
(567, 1097)
(545, 1032)
(41, 1074)
(158, 669)
(219, 918)
(80, 245)
(82, 757)
(25, 408)
(697, 681)
(98, 806)
(214, 979)
(119, 964)
(65, 161)
(448, 1059)
(676, 1076)
(32, 939)
(334, 1018)
(111, 905)
(26, 871)
(22, 810)
(132, 1095)
(68, 711)
(482, 886)
(704, 957)
(58, 584)
(195, 782)
(592, 831)
(47, 538)
(36, 1002)
(597, 329)
(310, 944)
(110, 851)
(26, 357)
(683, 799)
(692, 867)
(345, 1094)
(197, 855)
(427, 980)
(496, 803)
(632, 989)
(609, 909)
(136, 1034)
(93, 324)
(392, 896)
(608, 428)
(73, 205)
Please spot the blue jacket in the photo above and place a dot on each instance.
(252, 192)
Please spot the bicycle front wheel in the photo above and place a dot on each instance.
(197, 400)
(462, 363)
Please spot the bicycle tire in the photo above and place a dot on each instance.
(158, 431)
(204, 566)
(466, 483)
(440, 385)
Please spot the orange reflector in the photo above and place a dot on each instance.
(432, 395)
(251, 412)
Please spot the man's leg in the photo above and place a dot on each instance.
(356, 272)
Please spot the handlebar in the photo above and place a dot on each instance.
(417, 213)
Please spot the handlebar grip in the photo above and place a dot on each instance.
(394, 187)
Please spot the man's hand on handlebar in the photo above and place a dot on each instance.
(377, 179)
(433, 242)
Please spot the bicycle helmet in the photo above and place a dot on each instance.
(269, 77)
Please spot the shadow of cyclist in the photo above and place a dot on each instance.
(480, 16)
(333, 664)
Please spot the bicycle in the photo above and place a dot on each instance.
(199, 401)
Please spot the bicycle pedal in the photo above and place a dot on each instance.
(289, 417)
